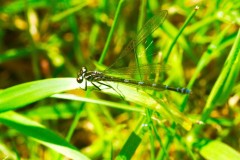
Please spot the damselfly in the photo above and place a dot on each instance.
(119, 73)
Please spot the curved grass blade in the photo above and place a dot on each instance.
(217, 150)
(40, 134)
(26, 93)
(225, 82)
(142, 98)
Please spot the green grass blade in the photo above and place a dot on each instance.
(19, 5)
(211, 53)
(105, 49)
(12, 54)
(140, 97)
(99, 102)
(129, 147)
(68, 12)
(217, 150)
(26, 93)
(40, 134)
(180, 32)
(225, 81)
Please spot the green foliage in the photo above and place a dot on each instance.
(43, 116)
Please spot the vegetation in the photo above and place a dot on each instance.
(44, 113)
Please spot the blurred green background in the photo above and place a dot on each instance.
(49, 39)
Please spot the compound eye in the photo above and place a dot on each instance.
(80, 79)
(84, 70)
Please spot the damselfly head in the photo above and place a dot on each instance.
(81, 74)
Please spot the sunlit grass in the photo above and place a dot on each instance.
(43, 41)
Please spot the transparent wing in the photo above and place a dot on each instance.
(129, 52)
(134, 70)
(148, 73)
